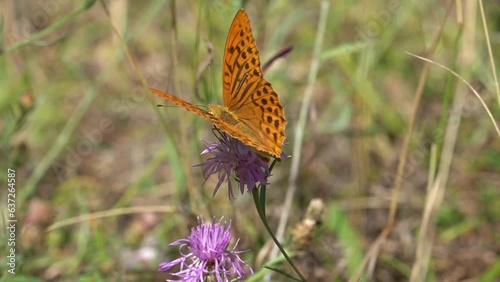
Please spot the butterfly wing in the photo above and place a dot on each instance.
(262, 114)
(247, 94)
(224, 126)
(241, 61)
(183, 103)
(248, 97)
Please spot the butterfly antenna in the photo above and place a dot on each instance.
(166, 106)
(280, 54)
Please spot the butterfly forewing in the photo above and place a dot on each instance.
(241, 66)
(182, 103)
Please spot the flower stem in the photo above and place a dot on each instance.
(259, 201)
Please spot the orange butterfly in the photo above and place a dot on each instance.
(252, 112)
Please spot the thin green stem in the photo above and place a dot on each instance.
(37, 36)
(302, 120)
(62, 140)
(262, 214)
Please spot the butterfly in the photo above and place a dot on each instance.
(252, 112)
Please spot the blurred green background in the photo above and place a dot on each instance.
(88, 143)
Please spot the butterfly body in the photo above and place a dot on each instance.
(223, 113)
(251, 112)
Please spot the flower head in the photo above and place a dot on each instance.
(208, 255)
(231, 155)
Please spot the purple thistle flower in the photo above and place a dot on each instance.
(229, 155)
(207, 255)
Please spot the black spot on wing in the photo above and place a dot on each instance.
(276, 123)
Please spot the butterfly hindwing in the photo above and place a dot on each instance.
(263, 114)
